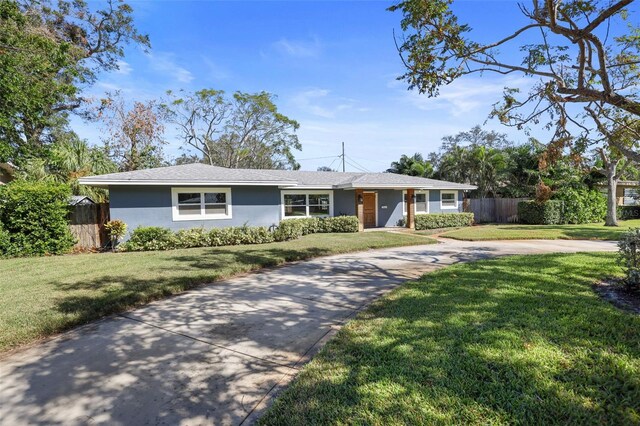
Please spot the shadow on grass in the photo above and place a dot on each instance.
(519, 340)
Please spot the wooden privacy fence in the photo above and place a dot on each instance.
(87, 225)
(498, 210)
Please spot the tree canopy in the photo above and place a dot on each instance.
(49, 52)
(245, 130)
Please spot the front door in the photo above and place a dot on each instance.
(369, 208)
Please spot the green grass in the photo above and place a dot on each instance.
(516, 340)
(46, 295)
(592, 231)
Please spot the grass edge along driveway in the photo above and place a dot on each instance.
(515, 340)
(591, 231)
(42, 296)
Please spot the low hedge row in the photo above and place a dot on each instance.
(442, 220)
(535, 213)
(158, 238)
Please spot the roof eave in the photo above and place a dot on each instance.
(115, 182)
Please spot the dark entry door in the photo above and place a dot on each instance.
(369, 210)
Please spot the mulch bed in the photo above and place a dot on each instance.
(614, 291)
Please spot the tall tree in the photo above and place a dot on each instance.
(579, 52)
(49, 52)
(71, 158)
(135, 135)
(412, 166)
(244, 131)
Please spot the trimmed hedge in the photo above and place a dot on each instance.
(35, 217)
(442, 220)
(628, 212)
(581, 205)
(157, 238)
(534, 213)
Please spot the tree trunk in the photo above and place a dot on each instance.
(612, 202)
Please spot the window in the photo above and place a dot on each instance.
(448, 199)
(420, 205)
(631, 197)
(201, 203)
(307, 204)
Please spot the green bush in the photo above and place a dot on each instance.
(340, 224)
(195, 237)
(581, 205)
(35, 215)
(145, 238)
(156, 238)
(629, 257)
(6, 248)
(442, 220)
(628, 212)
(290, 229)
(534, 213)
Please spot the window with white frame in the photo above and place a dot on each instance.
(201, 203)
(421, 203)
(307, 204)
(631, 197)
(448, 199)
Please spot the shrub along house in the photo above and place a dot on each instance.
(199, 195)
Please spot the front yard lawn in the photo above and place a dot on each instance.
(592, 231)
(45, 295)
(516, 340)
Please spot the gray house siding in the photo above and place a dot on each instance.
(389, 207)
(151, 206)
(251, 205)
(344, 203)
(434, 202)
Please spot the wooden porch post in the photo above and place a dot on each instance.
(359, 199)
(411, 220)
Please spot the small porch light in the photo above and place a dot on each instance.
(360, 199)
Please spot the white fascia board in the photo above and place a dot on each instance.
(306, 187)
(383, 186)
(180, 183)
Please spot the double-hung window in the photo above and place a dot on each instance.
(630, 197)
(420, 204)
(448, 199)
(201, 203)
(307, 204)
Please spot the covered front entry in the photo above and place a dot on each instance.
(370, 207)
(384, 207)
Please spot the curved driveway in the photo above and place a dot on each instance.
(218, 354)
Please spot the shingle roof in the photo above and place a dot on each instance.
(202, 174)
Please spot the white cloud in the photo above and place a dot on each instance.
(463, 96)
(164, 62)
(320, 103)
(298, 48)
(123, 68)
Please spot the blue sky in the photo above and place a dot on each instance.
(332, 64)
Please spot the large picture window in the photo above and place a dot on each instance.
(201, 203)
(421, 203)
(307, 204)
(448, 199)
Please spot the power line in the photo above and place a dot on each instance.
(317, 158)
(360, 165)
(359, 168)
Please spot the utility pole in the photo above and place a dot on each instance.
(342, 157)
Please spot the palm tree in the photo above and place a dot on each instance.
(415, 165)
(71, 158)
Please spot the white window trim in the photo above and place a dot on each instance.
(455, 195)
(306, 193)
(174, 204)
(404, 203)
(377, 206)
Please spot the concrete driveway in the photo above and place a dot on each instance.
(217, 354)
